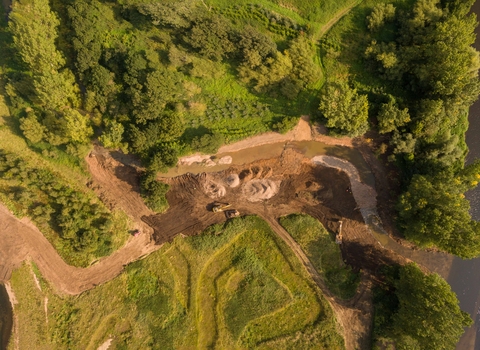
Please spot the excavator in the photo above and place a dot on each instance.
(218, 207)
(223, 207)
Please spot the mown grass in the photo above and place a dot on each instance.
(323, 252)
(261, 298)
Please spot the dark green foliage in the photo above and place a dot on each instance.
(434, 212)
(417, 310)
(391, 117)
(285, 125)
(211, 37)
(428, 313)
(253, 46)
(346, 111)
(208, 143)
(82, 228)
(154, 191)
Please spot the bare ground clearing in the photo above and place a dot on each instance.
(300, 186)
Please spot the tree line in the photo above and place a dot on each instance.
(427, 74)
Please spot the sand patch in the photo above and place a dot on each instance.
(257, 190)
(232, 180)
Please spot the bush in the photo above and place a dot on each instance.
(208, 143)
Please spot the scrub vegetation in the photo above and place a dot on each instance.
(235, 286)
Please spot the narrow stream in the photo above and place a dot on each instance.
(6, 318)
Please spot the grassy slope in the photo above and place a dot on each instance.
(158, 301)
(323, 252)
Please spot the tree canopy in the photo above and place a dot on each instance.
(346, 111)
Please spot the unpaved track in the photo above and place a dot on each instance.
(353, 316)
(29, 241)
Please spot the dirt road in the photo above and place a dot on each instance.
(268, 188)
(21, 239)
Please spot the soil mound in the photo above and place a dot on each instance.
(258, 190)
(213, 189)
(232, 180)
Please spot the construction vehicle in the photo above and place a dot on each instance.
(219, 207)
(232, 213)
(338, 236)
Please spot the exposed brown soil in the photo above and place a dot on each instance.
(302, 187)
(292, 183)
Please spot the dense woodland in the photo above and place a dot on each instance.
(417, 78)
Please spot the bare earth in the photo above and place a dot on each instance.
(268, 188)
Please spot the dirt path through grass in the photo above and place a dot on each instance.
(21, 239)
(354, 322)
(325, 28)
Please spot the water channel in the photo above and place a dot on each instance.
(6, 318)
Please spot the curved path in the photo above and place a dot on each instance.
(20, 239)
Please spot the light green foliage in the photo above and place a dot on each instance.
(391, 117)
(78, 128)
(34, 28)
(323, 252)
(346, 111)
(112, 137)
(381, 13)
(176, 14)
(264, 291)
(434, 212)
(141, 284)
(31, 128)
(428, 315)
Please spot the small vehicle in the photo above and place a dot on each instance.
(232, 213)
(218, 207)
(136, 233)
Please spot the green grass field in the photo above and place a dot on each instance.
(233, 287)
(323, 252)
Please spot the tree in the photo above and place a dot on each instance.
(346, 111)
(112, 137)
(390, 117)
(428, 316)
(253, 46)
(434, 213)
(208, 143)
(380, 14)
(211, 37)
(34, 28)
(31, 128)
(77, 126)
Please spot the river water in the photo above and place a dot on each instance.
(465, 274)
(6, 318)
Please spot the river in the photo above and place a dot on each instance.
(6, 318)
(465, 274)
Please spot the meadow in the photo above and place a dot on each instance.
(235, 286)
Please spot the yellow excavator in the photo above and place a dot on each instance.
(219, 207)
